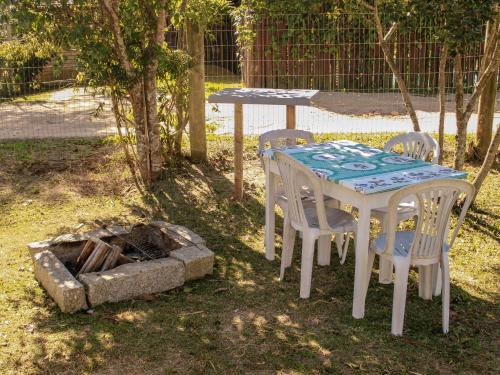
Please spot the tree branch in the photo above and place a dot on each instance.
(161, 24)
(121, 50)
(492, 68)
(391, 31)
(392, 64)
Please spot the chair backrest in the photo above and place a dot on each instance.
(416, 145)
(436, 150)
(435, 199)
(283, 137)
(296, 176)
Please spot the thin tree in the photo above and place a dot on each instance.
(486, 107)
(142, 89)
(384, 39)
(463, 112)
(443, 55)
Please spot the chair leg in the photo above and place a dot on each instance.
(385, 271)
(306, 265)
(436, 279)
(339, 241)
(345, 248)
(288, 244)
(402, 269)
(369, 268)
(445, 277)
(425, 282)
(324, 250)
(385, 265)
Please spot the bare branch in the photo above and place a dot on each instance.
(491, 68)
(392, 64)
(492, 34)
(391, 31)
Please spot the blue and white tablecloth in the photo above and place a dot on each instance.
(365, 169)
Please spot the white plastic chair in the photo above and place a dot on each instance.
(290, 137)
(416, 145)
(314, 221)
(283, 137)
(424, 247)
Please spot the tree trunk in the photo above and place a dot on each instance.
(485, 115)
(197, 133)
(487, 100)
(442, 100)
(461, 138)
(142, 144)
(153, 125)
(142, 92)
(488, 160)
(181, 125)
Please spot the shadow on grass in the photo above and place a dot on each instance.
(480, 220)
(242, 320)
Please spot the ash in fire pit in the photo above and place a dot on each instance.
(114, 264)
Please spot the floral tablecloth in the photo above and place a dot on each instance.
(365, 169)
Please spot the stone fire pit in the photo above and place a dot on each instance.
(186, 258)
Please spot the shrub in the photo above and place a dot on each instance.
(20, 63)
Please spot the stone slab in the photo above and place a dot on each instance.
(183, 235)
(133, 280)
(198, 261)
(59, 283)
(263, 96)
(71, 239)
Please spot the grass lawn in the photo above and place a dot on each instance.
(241, 320)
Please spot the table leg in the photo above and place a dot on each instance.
(324, 250)
(290, 117)
(361, 272)
(238, 151)
(270, 216)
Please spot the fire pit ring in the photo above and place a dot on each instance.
(183, 257)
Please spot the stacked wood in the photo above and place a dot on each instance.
(98, 255)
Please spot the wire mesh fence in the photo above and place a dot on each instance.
(337, 55)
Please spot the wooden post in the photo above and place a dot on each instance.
(290, 117)
(238, 151)
(197, 133)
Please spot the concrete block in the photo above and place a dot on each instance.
(198, 260)
(183, 235)
(133, 280)
(64, 289)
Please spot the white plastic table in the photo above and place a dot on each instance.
(240, 96)
(366, 189)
